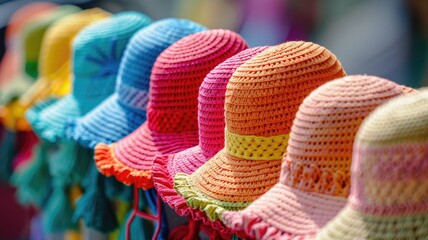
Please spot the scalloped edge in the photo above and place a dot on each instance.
(164, 185)
(249, 225)
(41, 128)
(196, 200)
(109, 165)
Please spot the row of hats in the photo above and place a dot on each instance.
(258, 142)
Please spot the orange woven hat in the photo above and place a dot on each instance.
(171, 124)
(262, 98)
(211, 138)
(315, 176)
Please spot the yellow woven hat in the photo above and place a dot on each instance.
(54, 64)
(262, 98)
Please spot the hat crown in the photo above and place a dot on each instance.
(57, 44)
(98, 50)
(263, 95)
(319, 150)
(178, 73)
(36, 41)
(390, 162)
(140, 55)
(211, 101)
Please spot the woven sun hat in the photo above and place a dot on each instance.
(18, 68)
(172, 124)
(53, 63)
(125, 110)
(262, 98)
(97, 53)
(12, 58)
(389, 180)
(211, 137)
(315, 172)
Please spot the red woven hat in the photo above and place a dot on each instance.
(315, 176)
(171, 124)
(211, 137)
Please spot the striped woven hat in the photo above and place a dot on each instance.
(125, 110)
(315, 175)
(389, 190)
(262, 98)
(97, 52)
(171, 124)
(211, 138)
(53, 63)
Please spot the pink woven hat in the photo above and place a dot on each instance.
(315, 174)
(389, 180)
(171, 124)
(262, 98)
(211, 137)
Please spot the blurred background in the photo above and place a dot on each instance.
(386, 38)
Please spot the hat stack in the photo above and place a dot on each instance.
(97, 52)
(315, 178)
(10, 69)
(53, 63)
(171, 124)
(211, 137)
(389, 190)
(262, 98)
(125, 110)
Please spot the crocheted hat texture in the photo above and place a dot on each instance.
(54, 53)
(98, 50)
(262, 98)
(389, 190)
(211, 138)
(125, 110)
(10, 70)
(315, 174)
(172, 119)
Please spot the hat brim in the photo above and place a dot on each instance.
(130, 160)
(227, 183)
(14, 88)
(285, 212)
(107, 123)
(48, 118)
(164, 169)
(351, 224)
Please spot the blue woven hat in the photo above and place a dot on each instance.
(125, 110)
(97, 52)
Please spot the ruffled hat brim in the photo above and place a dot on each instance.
(130, 160)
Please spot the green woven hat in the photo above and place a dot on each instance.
(32, 38)
(97, 52)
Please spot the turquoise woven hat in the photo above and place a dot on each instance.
(125, 110)
(97, 52)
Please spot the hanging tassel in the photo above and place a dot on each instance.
(94, 208)
(33, 180)
(7, 151)
(71, 162)
(58, 212)
(116, 190)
